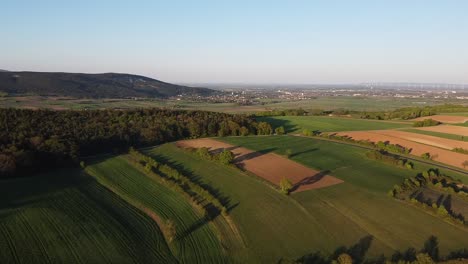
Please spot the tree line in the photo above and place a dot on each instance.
(405, 113)
(413, 189)
(35, 140)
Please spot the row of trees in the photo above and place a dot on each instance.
(33, 140)
(412, 189)
(384, 156)
(413, 112)
(426, 123)
(181, 183)
(384, 146)
(428, 254)
(402, 113)
(225, 157)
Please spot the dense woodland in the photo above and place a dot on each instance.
(33, 140)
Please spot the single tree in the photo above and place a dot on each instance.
(465, 164)
(226, 157)
(204, 153)
(280, 130)
(285, 185)
(344, 259)
(431, 247)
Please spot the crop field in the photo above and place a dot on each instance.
(438, 134)
(325, 103)
(268, 166)
(448, 129)
(330, 124)
(194, 232)
(431, 146)
(423, 139)
(273, 224)
(67, 217)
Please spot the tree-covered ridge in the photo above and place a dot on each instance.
(104, 85)
(31, 140)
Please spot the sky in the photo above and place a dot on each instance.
(297, 42)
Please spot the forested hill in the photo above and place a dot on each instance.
(105, 85)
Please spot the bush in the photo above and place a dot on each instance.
(426, 122)
(426, 155)
(226, 157)
(279, 131)
(285, 185)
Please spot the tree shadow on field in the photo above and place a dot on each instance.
(303, 152)
(211, 213)
(357, 252)
(252, 155)
(275, 122)
(309, 180)
(214, 151)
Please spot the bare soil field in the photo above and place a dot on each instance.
(268, 166)
(444, 119)
(455, 130)
(441, 155)
(425, 139)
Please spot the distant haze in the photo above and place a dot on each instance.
(288, 42)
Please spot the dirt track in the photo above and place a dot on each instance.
(455, 130)
(417, 149)
(444, 119)
(269, 166)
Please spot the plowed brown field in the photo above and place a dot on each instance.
(455, 130)
(444, 119)
(268, 166)
(441, 155)
(425, 139)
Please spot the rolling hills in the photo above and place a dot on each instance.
(82, 85)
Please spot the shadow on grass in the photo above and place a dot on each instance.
(303, 152)
(212, 213)
(252, 155)
(357, 252)
(289, 127)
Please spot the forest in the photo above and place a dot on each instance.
(35, 140)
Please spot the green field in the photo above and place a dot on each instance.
(102, 216)
(273, 225)
(455, 114)
(437, 134)
(325, 103)
(363, 195)
(67, 217)
(329, 124)
(193, 231)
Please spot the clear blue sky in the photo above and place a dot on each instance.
(271, 41)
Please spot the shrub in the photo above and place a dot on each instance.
(280, 130)
(226, 157)
(426, 122)
(285, 185)
(426, 155)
